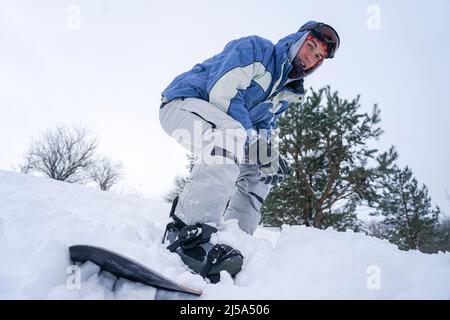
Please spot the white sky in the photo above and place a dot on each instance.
(109, 73)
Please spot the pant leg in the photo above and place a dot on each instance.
(200, 127)
(248, 198)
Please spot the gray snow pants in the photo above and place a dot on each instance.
(220, 186)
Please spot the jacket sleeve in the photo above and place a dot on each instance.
(276, 116)
(278, 105)
(293, 94)
(234, 70)
(270, 122)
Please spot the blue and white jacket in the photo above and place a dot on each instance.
(242, 80)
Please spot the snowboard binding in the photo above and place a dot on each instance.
(191, 243)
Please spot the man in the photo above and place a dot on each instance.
(224, 111)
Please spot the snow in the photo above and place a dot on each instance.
(40, 218)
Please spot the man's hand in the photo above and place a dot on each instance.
(275, 172)
(272, 166)
(258, 150)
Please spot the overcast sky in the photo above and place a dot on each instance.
(104, 63)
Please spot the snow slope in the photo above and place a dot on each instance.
(40, 218)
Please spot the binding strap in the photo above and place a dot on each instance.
(172, 213)
(177, 222)
(191, 236)
(217, 254)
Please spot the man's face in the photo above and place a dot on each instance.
(311, 52)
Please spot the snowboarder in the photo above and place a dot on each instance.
(224, 110)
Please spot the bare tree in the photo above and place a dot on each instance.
(180, 181)
(63, 153)
(106, 173)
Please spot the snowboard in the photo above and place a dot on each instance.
(124, 267)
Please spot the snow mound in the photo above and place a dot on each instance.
(40, 218)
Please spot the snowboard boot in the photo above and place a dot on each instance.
(191, 243)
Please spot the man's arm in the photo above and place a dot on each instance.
(237, 66)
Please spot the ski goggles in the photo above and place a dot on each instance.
(326, 34)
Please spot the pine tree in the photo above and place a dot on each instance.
(325, 141)
(409, 219)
